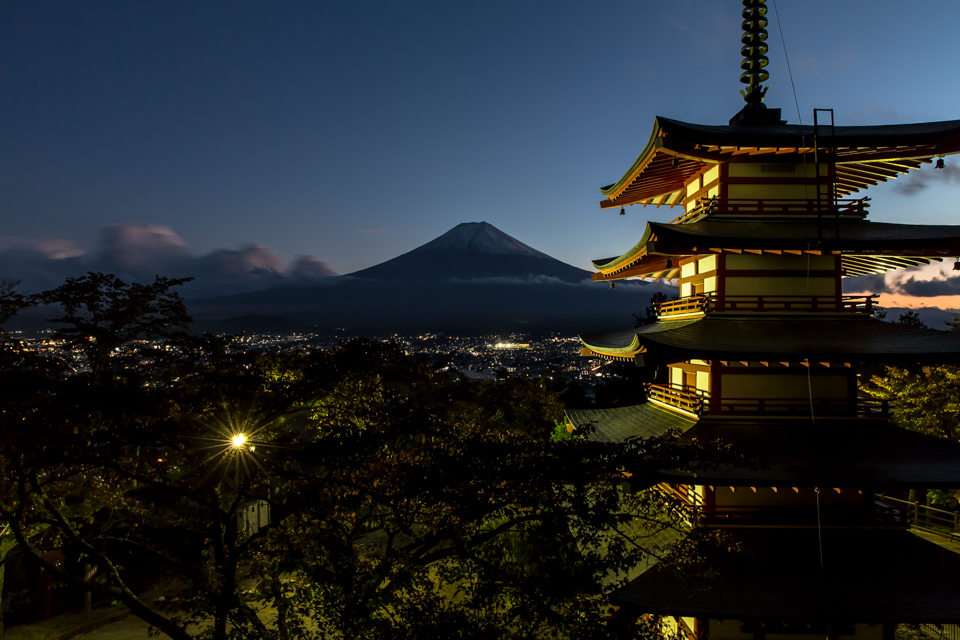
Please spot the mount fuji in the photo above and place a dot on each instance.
(473, 251)
(474, 279)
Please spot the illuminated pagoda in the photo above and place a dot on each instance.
(762, 352)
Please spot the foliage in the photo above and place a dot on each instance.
(403, 502)
(100, 313)
(910, 319)
(925, 400)
(953, 324)
(650, 312)
(12, 301)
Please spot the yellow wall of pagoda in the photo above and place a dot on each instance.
(774, 262)
(753, 385)
(780, 286)
(785, 497)
(697, 183)
(730, 630)
(775, 170)
(702, 378)
(711, 174)
(703, 265)
(796, 284)
(771, 171)
(771, 191)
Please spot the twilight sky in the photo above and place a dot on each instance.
(251, 133)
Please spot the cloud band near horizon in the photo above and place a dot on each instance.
(139, 252)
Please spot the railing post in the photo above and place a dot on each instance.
(916, 513)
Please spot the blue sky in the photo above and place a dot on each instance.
(356, 131)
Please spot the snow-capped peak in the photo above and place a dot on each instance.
(480, 237)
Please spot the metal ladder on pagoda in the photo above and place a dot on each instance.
(818, 136)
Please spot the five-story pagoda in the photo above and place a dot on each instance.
(762, 352)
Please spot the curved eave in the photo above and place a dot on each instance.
(852, 143)
(612, 268)
(753, 337)
(791, 574)
(863, 454)
(638, 166)
(864, 156)
(631, 348)
(848, 238)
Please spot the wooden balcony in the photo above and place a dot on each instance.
(742, 209)
(872, 513)
(686, 400)
(697, 305)
(917, 514)
(834, 516)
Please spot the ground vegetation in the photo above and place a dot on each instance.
(402, 502)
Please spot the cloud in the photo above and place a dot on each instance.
(945, 286)
(250, 261)
(923, 178)
(868, 284)
(309, 267)
(139, 252)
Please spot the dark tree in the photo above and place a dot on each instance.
(403, 502)
(100, 313)
(650, 312)
(12, 301)
(910, 319)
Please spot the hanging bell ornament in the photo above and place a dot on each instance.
(939, 164)
(623, 211)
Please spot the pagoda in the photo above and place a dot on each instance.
(762, 352)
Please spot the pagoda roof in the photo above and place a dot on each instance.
(851, 453)
(864, 155)
(819, 337)
(867, 575)
(645, 420)
(864, 247)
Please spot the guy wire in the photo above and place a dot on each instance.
(819, 532)
(789, 72)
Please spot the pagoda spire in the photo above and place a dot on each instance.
(754, 50)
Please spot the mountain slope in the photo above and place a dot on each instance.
(472, 251)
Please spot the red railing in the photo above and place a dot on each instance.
(683, 306)
(793, 514)
(774, 208)
(681, 398)
(770, 303)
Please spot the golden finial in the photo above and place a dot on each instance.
(754, 50)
